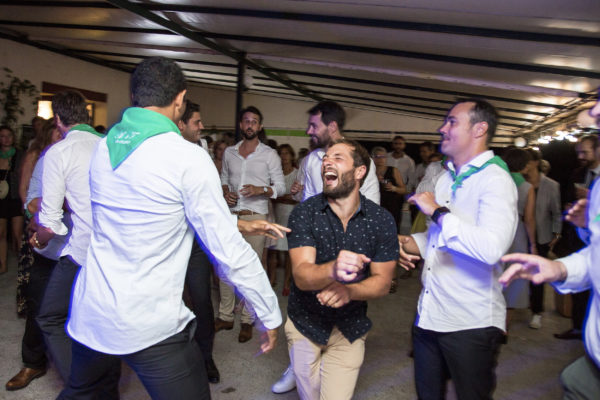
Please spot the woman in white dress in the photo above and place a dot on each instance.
(283, 206)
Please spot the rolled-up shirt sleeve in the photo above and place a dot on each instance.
(490, 236)
(209, 216)
(53, 193)
(276, 175)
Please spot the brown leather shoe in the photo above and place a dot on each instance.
(245, 333)
(223, 325)
(24, 378)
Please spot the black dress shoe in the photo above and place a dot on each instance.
(212, 372)
(571, 334)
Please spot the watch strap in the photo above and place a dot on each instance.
(438, 213)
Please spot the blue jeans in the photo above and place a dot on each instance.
(54, 312)
(173, 368)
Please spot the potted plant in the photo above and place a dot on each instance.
(10, 97)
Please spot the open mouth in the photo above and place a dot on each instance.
(330, 177)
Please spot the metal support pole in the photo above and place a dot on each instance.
(239, 100)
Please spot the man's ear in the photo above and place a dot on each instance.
(179, 102)
(332, 127)
(360, 172)
(481, 129)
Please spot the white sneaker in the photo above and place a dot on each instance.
(286, 383)
(536, 321)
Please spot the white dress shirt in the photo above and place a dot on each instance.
(128, 297)
(310, 176)
(583, 274)
(66, 176)
(462, 257)
(55, 245)
(405, 165)
(260, 168)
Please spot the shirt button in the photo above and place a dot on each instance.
(428, 269)
(427, 292)
(433, 245)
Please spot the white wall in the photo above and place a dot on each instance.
(217, 105)
(37, 65)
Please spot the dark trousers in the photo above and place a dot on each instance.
(579, 308)
(197, 279)
(467, 357)
(54, 311)
(536, 292)
(173, 368)
(33, 348)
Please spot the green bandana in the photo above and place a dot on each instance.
(518, 178)
(86, 128)
(8, 153)
(137, 125)
(458, 180)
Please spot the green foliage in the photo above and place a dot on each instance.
(10, 97)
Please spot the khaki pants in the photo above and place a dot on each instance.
(227, 303)
(325, 372)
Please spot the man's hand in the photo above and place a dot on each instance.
(335, 295)
(231, 198)
(425, 201)
(577, 214)
(406, 260)
(268, 340)
(347, 265)
(296, 188)
(41, 237)
(251, 190)
(581, 192)
(534, 268)
(262, 227)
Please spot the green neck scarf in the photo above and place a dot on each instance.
(8, 153)
(458, 180)
(86, 128)
(518, 178)
(137, 125)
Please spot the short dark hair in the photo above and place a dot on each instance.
(399, 137)
(190, 108)
(8, 128)
(70, 107)
(330, 112)
(516, 159)
(288, 148)
(593, 139)
(156, 82)
(253, 110)
(428, 144)
(360, 155)
(482, 111)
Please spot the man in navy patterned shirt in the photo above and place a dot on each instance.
(343, 250)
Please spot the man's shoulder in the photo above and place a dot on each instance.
(376, 212)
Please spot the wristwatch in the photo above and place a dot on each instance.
(265, 189)
(438, 213)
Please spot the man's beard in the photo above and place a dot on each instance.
(249, 136)
(343, 189)
(321, 142)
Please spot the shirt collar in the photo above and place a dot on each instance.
(477, 161)
(361, 208)
(258, 149)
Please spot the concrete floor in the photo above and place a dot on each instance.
(528, 368)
